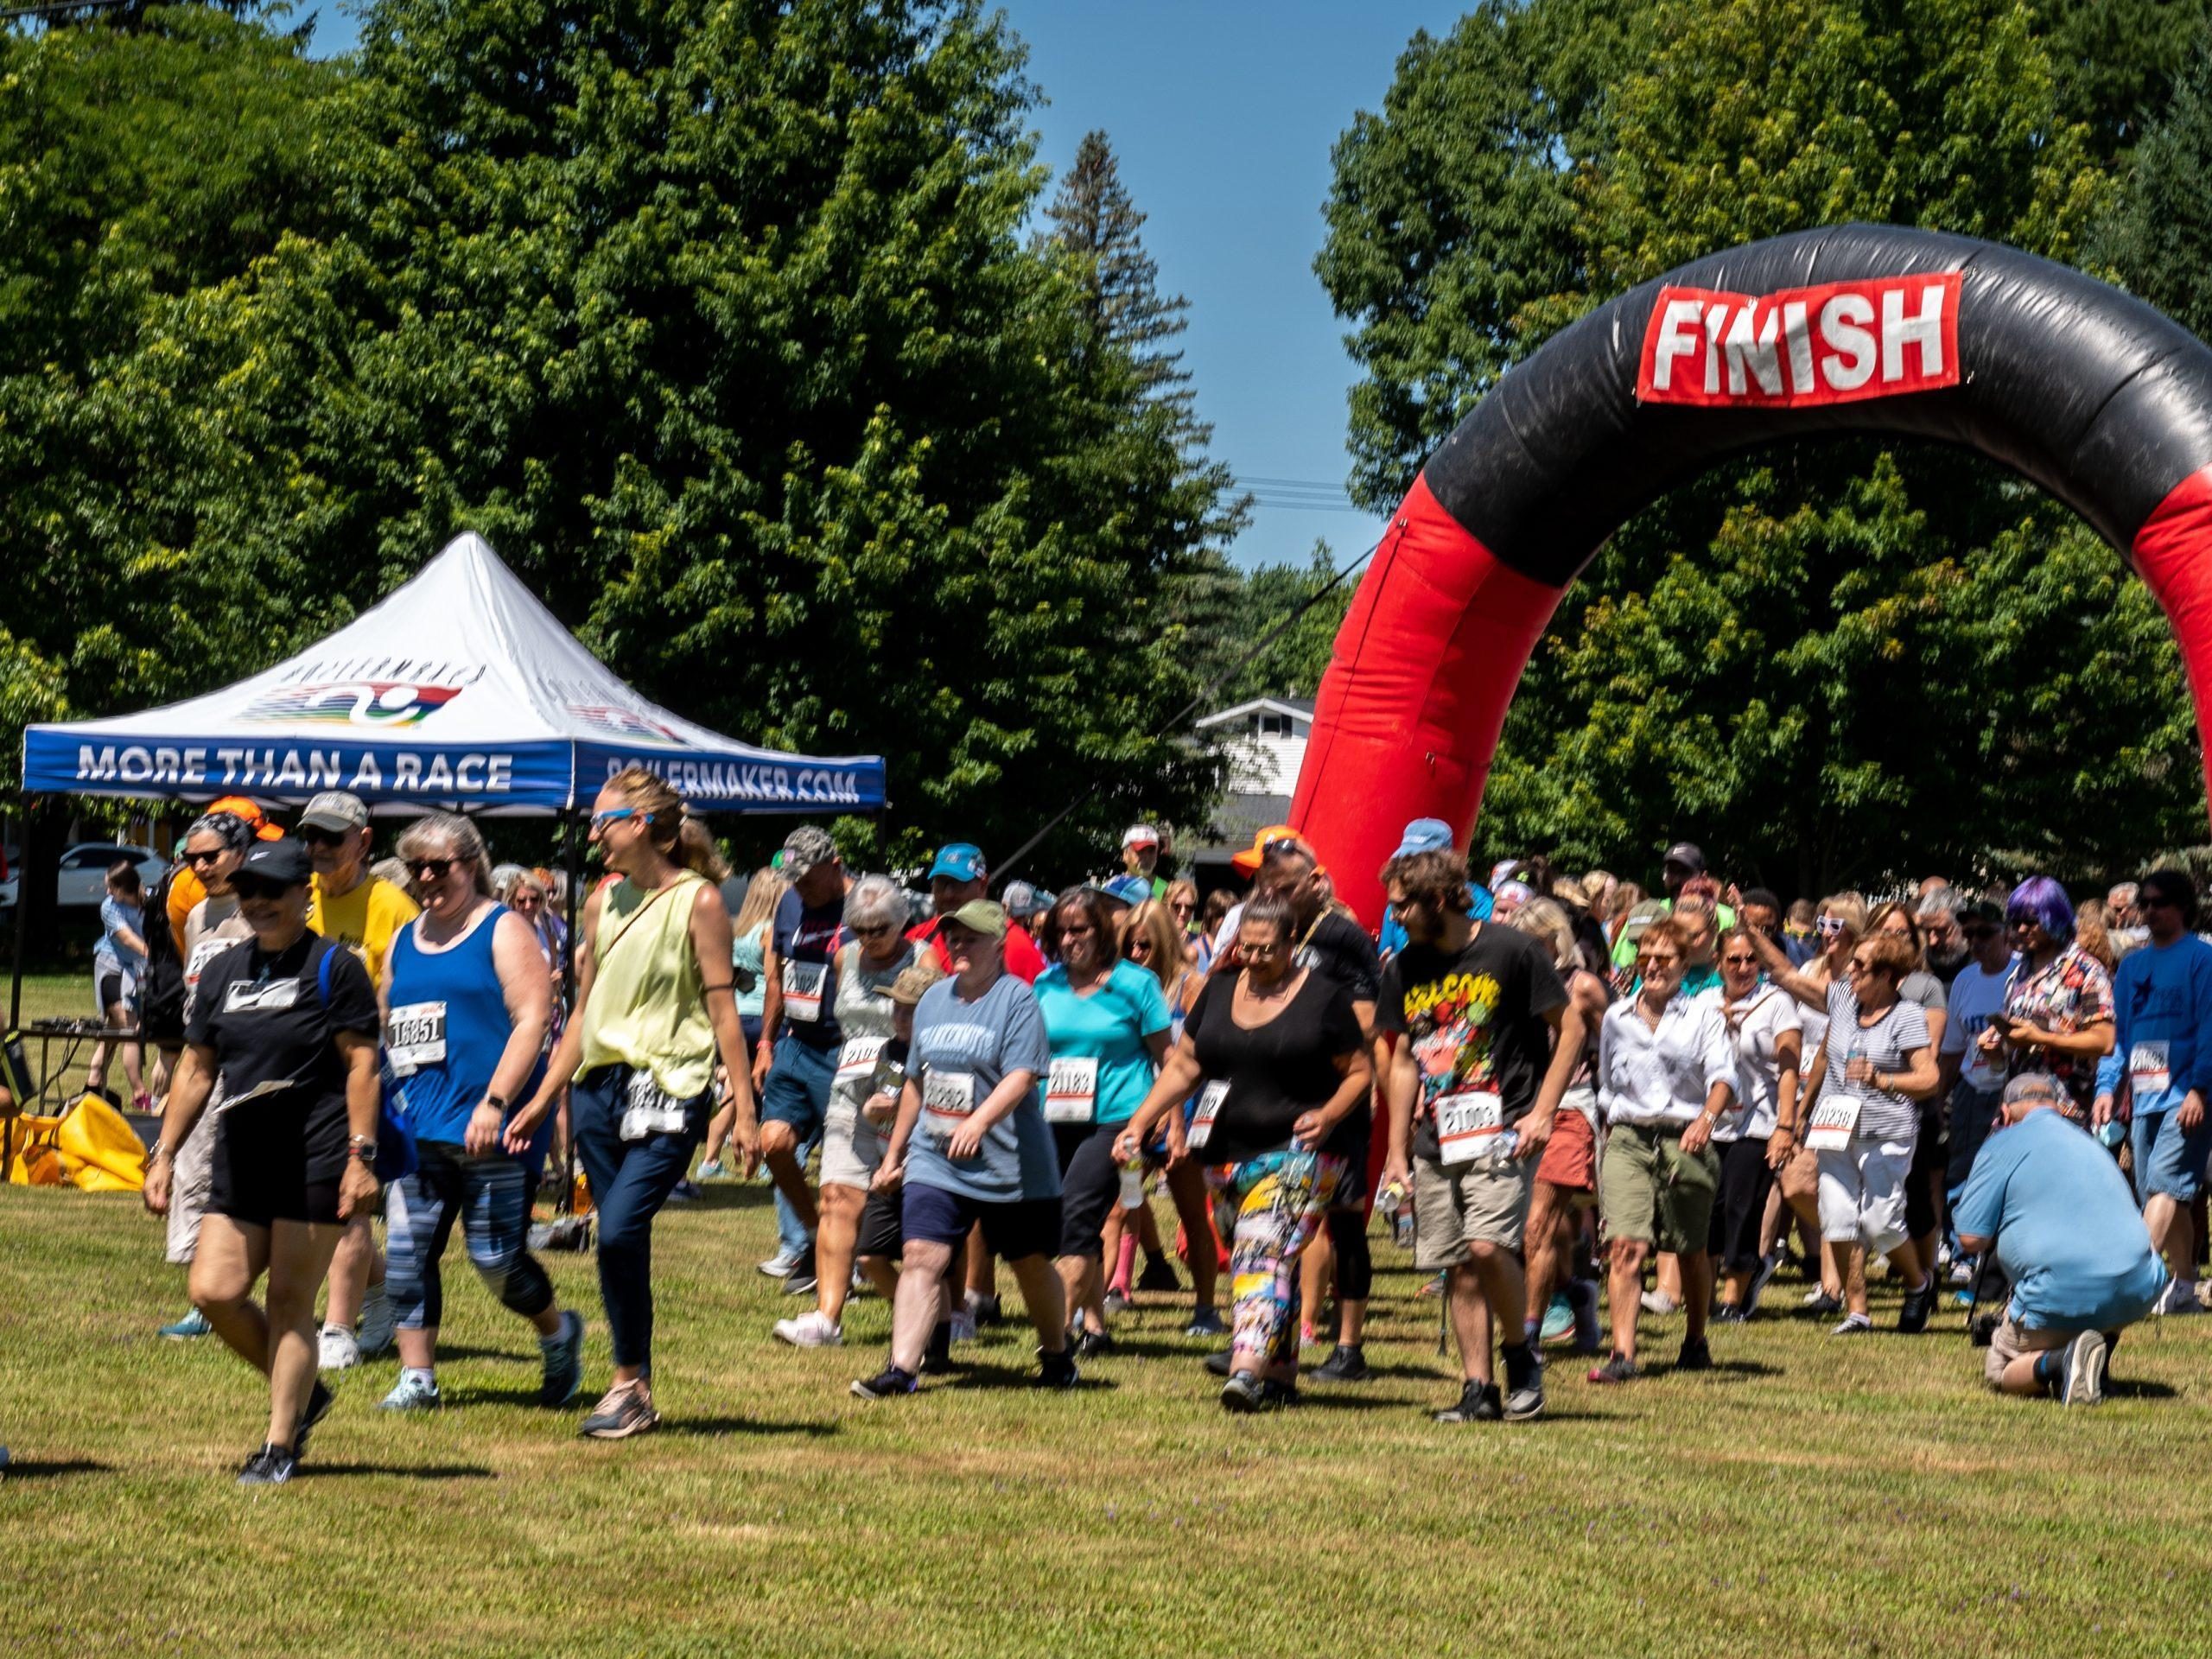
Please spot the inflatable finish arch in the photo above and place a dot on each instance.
(1857, 328)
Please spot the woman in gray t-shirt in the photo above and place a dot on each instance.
(1876, 1062)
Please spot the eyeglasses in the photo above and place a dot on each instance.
(197, 859)
(1832, 925)
(613, 815)
(1668, 961)
(431, 869)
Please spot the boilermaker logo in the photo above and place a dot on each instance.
(1878, 337)
(353, 702)
(624, 724)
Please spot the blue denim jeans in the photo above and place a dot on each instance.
(630, 1181)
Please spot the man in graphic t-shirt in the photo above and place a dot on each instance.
(795, 1059)
(1488, 1039)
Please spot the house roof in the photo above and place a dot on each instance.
(1297, 708)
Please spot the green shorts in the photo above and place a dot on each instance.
(1653, 1192)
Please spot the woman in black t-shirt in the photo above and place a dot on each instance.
(1274, 1056)
(288, 1022)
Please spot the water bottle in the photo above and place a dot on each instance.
(1397, 1207)
(1132, 1183)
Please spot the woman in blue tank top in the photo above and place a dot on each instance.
(468, 1002)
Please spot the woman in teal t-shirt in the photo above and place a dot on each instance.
(1108, 1024)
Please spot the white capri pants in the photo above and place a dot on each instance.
(1862, 1194)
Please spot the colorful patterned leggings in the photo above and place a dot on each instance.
(1269, 1208)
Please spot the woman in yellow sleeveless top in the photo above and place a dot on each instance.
(654, 1012)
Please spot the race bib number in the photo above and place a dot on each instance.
(202, 953)
(802, 990)
(650, 1109)
(1071, 1091)
(2150, 1068)
(1467, 1126)
(1833, 1119)
(271, 998)
(948, 1100)
(856, 1059)
(1209, 1100)
(415, 1037)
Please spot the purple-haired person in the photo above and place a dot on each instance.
(2058, 1010)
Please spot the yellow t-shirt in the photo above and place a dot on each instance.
(365, 918)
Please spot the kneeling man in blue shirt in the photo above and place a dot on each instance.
(2052, 1205)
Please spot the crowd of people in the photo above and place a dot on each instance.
(1586, 1109)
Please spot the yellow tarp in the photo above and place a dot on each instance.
(90, 1146)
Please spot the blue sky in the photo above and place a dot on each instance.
(1222, 113)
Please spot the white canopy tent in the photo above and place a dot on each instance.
(461, 690)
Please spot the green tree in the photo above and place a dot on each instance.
(2117, 60)
(2158, 237)
(719, 322)
(1754, 661)
(1311, 601)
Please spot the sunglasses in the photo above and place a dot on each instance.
(1984, 932)
(1832, 925)
(1739, 962)
(876, 931)
(1139, 947)
(525, 902)
(247, 887)
(613, 815)
(431, 869)
(197, 859)
(1183, 909)
(324, 838)
(1658, 961)
(2156, 902)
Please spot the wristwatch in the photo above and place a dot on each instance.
(497, 1102)
(362, 1147)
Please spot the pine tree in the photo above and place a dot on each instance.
(1095, 219)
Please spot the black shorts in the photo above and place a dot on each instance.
(1013, 1231)
(1740, 1207)
(162, 1005)
(269, 1167)
(882, 1230)
(1091, 1185)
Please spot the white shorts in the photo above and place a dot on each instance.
(192, 1176)
(852, 1146)
(1862, 1194)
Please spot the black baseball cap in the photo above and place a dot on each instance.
(1685, 854)
(283, 862)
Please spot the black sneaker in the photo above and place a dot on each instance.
(1347, 1363)
(1478, 1403)
(1245, 1394)
(885, 1384)
(1524, 1384)
(1223, 1362)
(560, 1376)
(319, 1404)
(1912, 1317)
(1089, 1344)
(1158, 1274)
(1694, 1356)
(1206, 1322)
(1056, 1371)
(937, 1358)
(801, 1281)
(988, 1312)
(1729, 1313)
(271, 1466)
(1618, 1369)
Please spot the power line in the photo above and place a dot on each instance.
(1204, 693)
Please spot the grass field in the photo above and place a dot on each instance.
(1808, 1497)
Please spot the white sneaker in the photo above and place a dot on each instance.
(1659, 1304)
(812, 1329)
(377, 1326)
(2178, 1297)
(779, 1265)
(341, 1352)
(963, 1326)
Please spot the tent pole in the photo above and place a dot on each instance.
(22, 913)
(572, 824)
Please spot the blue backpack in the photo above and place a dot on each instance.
(396, 1155)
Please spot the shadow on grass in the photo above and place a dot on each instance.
(462, 1399)
(1015, 1379)
(416, 1472)
(715, 1427)
(31, 1469)
(497, 1355)
(2118, 1387)
(728, 1195)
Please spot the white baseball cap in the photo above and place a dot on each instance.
(1141, 835)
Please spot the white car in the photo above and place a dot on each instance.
(82, 878)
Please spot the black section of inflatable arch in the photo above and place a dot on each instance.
(2091, 394)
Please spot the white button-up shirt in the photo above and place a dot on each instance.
(1663, 1076)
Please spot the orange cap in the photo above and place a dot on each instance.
(1248, 860)
(239, 807)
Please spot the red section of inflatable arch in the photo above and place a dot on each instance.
(2173, 555)
(1409, 711)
